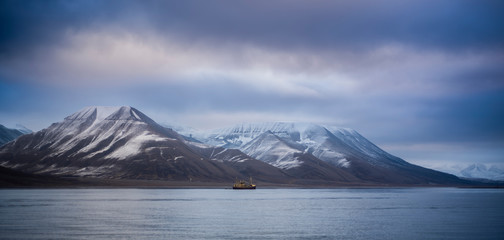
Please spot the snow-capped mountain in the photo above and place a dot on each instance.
(282, 145)
(482, 171)
(494, 172)
(23, 129)
(124, 143)
(7, 134)
(293, 158)
(241, 162)
(277, 142)
(111, 142)
(273, 150)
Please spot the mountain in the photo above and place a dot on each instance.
(114, 143)
(7, 134)
(122, 143)
(482, 171)
(23, 129)
(342, 153)
(243, 163)
(492, 172)
(291, 157)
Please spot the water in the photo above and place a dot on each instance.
(409, 213)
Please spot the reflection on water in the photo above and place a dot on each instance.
(409, 213)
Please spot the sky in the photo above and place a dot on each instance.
(422, 79)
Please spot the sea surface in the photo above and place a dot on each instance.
(388, 213)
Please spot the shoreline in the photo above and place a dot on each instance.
(88, 183)
(10, 179)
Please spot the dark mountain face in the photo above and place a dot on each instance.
(243, 163)
(7, 134)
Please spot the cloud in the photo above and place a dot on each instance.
(215, 119)
(441, 155)
(409, 72)
(340, 25)
(371, 91)
(293, 48)
(117, 57)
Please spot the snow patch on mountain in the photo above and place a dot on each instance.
(91, 171)
(271, 149)
(344, 163)
(23, 129)
(133, 146)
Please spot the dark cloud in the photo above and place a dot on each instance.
(474, 117)
(350, 25)
(27, 24)
(397, 71)
(479, 78)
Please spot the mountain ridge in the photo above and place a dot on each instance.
(123, 143)
(343, 148)
(8, 134)
(103, 142)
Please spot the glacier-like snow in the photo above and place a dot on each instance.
(332, 144)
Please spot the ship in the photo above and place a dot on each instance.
(242, 184)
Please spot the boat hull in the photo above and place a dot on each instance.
(244, 188)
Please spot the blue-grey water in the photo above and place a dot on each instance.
(405, 213)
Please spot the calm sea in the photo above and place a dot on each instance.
(391, 213)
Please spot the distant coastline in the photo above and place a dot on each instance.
(29, 181)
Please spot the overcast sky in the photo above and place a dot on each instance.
(422, 79)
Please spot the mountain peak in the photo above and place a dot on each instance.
(96, 112)
(23, 129)
(125, 113)
(7, 134)
(100, 113)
